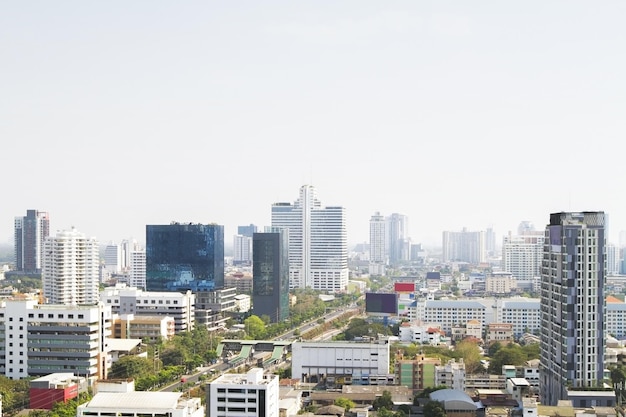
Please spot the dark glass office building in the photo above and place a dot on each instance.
(181, 257)
(270, 270)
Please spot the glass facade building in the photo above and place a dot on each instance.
(270, 266)
(181, 257)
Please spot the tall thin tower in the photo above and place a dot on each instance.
(30, 233)
(572, 304)
(378, 244)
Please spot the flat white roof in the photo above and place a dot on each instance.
(137, 400)
(123, 345)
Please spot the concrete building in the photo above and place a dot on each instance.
(500, 283)
(464, 246)
(143, 327)
(422, 334)
(70, 272)
(39, 339)
(141, 404)
(30, 233)
(521, 256)
(378, 257)
(417, 374)
(499, 332)
(128, 300)
(398, 244)
(253, 394)
(242, 250)
(318, 242)
(113, 258)
(270, 295)
(572, 303)
(523, 313)
(137, 269)
(241, 281)
(358, 363)
(243, 303)
(451, 375)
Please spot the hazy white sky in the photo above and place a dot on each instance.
(118, 114)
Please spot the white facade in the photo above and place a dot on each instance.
(137, 269)
(129, 300)
(378, 245)
(254, 394)
(424, 335)
(70, 272)
(318, 242)
(141, 404)
(35, 339)
(243, 303)
(521, 256)
(357, 359)
(523, 313)
(613, 260)
(452, 375)
(242, 249)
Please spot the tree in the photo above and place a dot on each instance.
(255, 327)
(434, 409)
(470, 353)
(346, 403)
(509, 355)
(131, 367)
(384, 401)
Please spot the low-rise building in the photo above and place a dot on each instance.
(500, 332)
(129, 300)
(141, 404)
(253, 394)
(148, 328)
(48, 390)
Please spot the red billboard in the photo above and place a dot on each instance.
(404, 287)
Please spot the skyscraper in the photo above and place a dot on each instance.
(70, 272)
(270, 266)
(318, 242)
(242, 250)
(184, 256)
(378, 245)
(464, 246)
(398, 244)
(572, 304)
(522, 256)
(30, 233)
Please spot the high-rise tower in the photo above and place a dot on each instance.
(398, 244)
(70, 272)
(318, 242)
(572, 304)
(30, 233)
(378, 245)
(270, 293)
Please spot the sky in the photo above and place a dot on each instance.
(118, 114)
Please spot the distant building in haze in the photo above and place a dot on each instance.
(70, 273)
(318, 242)
(522, 256)
(184, 256)
(397, 239)
(378, 245)
(464, 246)
(247, 230)
(573, 324)
(270, 295)
(30, 233)
(137, 269)
(242, 250)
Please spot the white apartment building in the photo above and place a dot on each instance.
(130, 300)
(137, 269)
(521, 256)
(363, 362)
(523, 313)
(422, 334)
(40, 339)
(141, 404)
(243, 303)
(318, 242)
(464, 246)
(253, 394)
(616, 319)
(447, 313)
(378, 245)
(613, 259)
(452, 375)
(70, 272)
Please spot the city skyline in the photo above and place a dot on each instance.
(116, 116)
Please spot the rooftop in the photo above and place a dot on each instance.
(136, 400)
